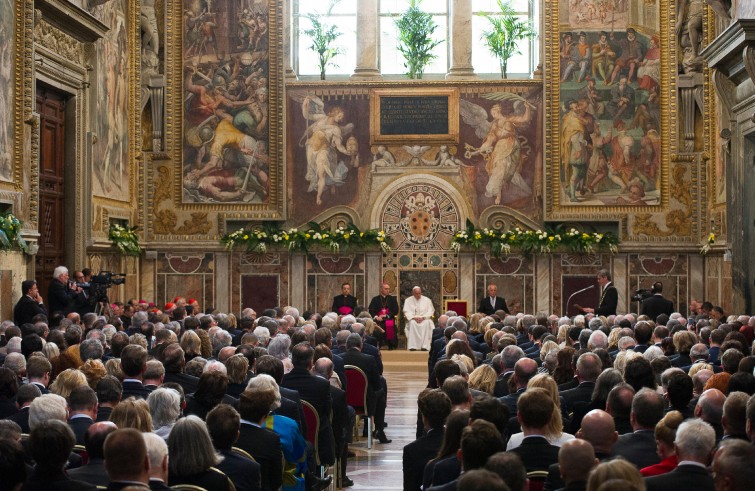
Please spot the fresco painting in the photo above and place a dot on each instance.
(610, 77)
(7, 46)
(110, 153)
(225, 101)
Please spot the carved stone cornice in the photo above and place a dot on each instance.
(72, 20)
(58, 42)
(731, 52)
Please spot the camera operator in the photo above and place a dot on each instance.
(63, 295)
(655, 304)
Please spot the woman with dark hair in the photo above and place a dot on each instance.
(211, 391)
(8, 390)
(639, 373)
(564, 371)
(459, 347)
(446, 467)
(192, 457)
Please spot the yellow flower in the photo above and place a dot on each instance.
(551, 238)
(307, 236)
(246, 237)
(346, 236)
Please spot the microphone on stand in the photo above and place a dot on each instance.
(568, 302)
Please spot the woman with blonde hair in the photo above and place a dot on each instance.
(93, 370)
(66, 381)
(465, 363)
(488, 337)
(665, 434)
(51, 351)
(483, 378)
(132, 413)
(113, 367)
(615, 469)
(554, 430)
(546, 348)
(613, 338)
(191, 344)
(474, 323)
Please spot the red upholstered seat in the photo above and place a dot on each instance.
(356, 396)
(313, 427)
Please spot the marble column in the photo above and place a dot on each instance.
(298, 282)
(461, 40)
(373, 276)
(467, 279)
(367, 36)
(223, 284)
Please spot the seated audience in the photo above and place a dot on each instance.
(192, 458)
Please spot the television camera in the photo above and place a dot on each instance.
(96, 288)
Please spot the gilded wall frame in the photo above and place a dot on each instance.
(188, 193)
(562, 85)
(452, 116)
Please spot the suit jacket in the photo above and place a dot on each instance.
(60, 298)
(340, 421)
(656, 305)
(536, 453)
(344, 301)
(502, 385)
(638, 448)
(368, 349)
(294, 396)
(188, 382)
(103, 413)
(211, 479)
(449, 486)
(488, 309)
(581, 393)
(157, 485)
(416, 456)
(22, 419)
(93, 473)
(118, 485)
(265, 446)
(316, 391)
(369, 366)
(244, 473)
(26, 309)
(134, 389)
(686, 477)
(444, 471)
(511, 400)
(55, 482)
(338, 367)
(609, 300)
(290, 409)
(80, 425)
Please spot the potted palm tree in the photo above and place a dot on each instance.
(506, 30)
(415, 30)
(323, 36)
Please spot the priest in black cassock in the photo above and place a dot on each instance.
(384, 309)
(345, 303)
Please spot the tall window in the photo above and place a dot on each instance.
(391, 60)
(485, 63)
(344, 16)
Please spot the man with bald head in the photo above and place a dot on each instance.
(94, 440)
(575, 461)
(710, 408)
(524, 370)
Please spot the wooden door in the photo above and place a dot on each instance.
(51, 109)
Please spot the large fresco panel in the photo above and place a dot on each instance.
(610, 105)
(226, 71)
(111, 107)
(7, 54)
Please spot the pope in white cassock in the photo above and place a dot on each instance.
(418, 311)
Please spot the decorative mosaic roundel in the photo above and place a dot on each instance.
(421, 216)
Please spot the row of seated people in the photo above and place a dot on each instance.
(92, 372)
(549, 385)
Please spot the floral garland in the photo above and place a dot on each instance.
(10, 233)
(259, 239)
(705, 249)
(125, 239)
(532, 242)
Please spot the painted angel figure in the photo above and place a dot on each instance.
(502, 145)
(324, 139)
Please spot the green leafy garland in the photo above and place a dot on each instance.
(10, 233)
(125, 239)
(532, 242)
(259, 239)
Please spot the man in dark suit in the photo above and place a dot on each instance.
(62, 297)
(384, 309)
(26, 393)
(435, 406)
(223, 423)
(588, 369)
(262, 444)
(94, 471)
(656, 305)
(29, 305)
(694, 443)
(315, 391)
(109, 391)
(342, 421)
(609, 296)
(375, 394)
(173, 362)
(479, 441)
(134, 364)
(639, 447)
(492, 303)
(157, 451)
(576, 458)
(535, 411)
(524, 370)
(732, 465)
(345, 303)
(82, 407)
(126, 459)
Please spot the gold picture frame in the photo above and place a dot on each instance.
(394, 112)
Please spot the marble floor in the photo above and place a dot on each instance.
(380, 467)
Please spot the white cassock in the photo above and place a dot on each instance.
(419, 334)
